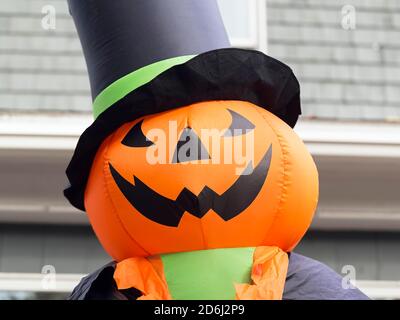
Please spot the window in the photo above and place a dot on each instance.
(245, 21)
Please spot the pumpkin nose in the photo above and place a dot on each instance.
(189, 147)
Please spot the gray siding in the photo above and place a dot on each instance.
(40, 69)
(344, 74)
(69, 249)
(375, 256)
(72, 249)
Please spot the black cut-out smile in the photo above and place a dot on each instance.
(169, 212)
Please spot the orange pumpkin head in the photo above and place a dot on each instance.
(214, 174)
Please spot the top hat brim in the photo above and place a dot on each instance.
(222, 74)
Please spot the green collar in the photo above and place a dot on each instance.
(207, 274)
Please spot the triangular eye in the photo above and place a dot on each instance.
(240, 125)
(136, 138)
(189, 147)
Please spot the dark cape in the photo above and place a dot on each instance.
(306, 279)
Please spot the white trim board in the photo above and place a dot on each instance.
(66, 282)
(61, 132)
(38, 282)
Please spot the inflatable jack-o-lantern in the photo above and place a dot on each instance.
(192, 178)
(149, 197)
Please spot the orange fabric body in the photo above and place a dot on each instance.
(144, 274)
(268, 275)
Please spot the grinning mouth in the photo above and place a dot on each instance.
(169, 212)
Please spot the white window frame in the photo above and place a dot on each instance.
(258, 27)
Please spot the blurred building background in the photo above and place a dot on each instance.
(346, 55)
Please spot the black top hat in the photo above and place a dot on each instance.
(149, 56)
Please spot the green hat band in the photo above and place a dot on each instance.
(121, 87)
